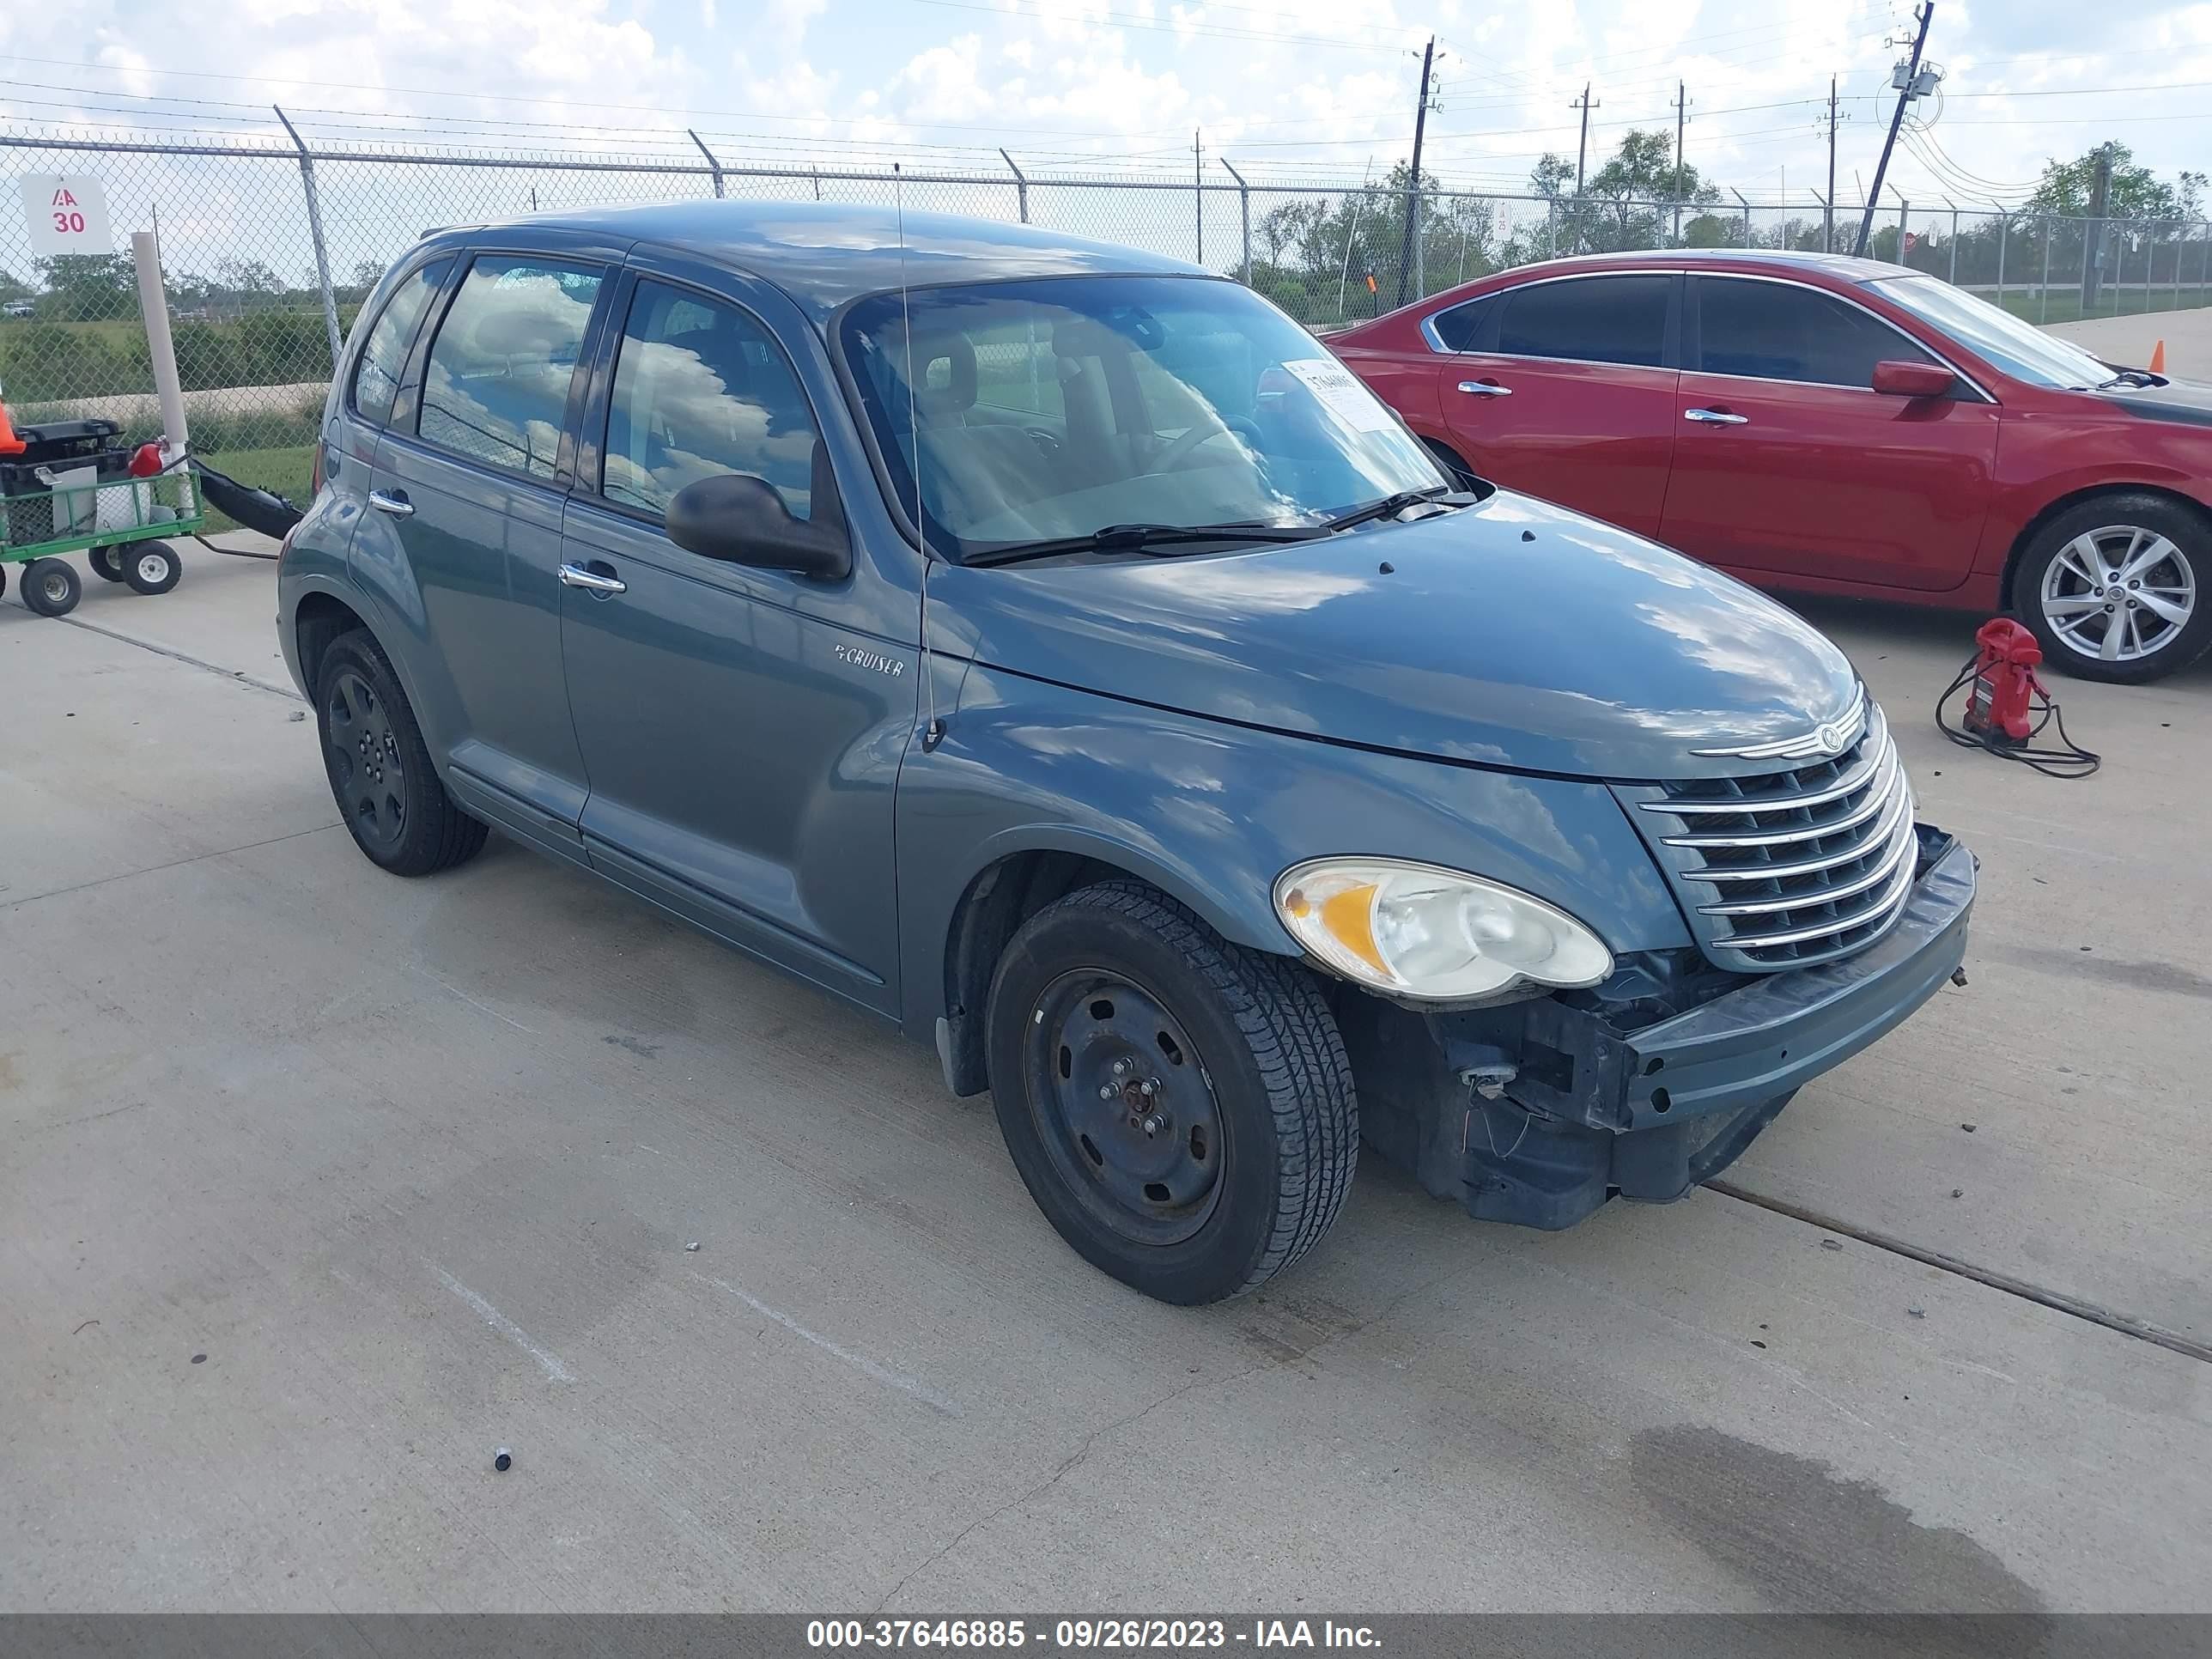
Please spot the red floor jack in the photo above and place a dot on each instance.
(2007, 707)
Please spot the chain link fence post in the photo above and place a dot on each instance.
(2044, 314)
(1244, 213)
(315, 234)
(713, 166)
(1021, 187)
(2004, 230)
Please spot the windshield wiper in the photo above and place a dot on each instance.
(1391, 506)
(1144, 538)
(2138, 377)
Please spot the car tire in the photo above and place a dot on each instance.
(394, 805)
(106, 562)
(149, 567)
(2159, 623)
(51, 588)
(1180, 1107)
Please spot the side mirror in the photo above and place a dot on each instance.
(740, 520)
(1903, 379)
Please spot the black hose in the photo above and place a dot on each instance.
(2072, 761)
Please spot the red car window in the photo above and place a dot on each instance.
(1783, 331)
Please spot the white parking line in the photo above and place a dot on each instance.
(899, 1380)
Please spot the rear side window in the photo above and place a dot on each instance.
(1461, 326)
(700, 389)
(1783, 332)
(376, 376)
(1591, 320)
(496, 388)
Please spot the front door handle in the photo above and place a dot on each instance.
(1714, 418)
(393, 501)
(575, 575)
(1485, 389)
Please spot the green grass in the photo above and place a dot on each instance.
(287, 471)
(2066, 308)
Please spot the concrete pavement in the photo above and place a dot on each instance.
(414, 1167)
(2131, 340)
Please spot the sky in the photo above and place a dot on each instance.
(1310, 89)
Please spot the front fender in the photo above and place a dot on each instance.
(1212, 813)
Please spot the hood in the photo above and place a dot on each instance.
(2188, 402)
(1509, 634)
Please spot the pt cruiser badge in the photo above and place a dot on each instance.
(861, 657)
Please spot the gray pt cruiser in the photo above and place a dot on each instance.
(1050, 649)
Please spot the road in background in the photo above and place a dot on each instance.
(317, 1185)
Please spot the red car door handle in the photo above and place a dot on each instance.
(1714, 418)
(1485, 389)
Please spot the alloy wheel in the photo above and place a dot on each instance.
(2119, 593)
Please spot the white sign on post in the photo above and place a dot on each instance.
(68, 215)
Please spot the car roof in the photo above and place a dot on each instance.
(1841, 266)
(824, 253)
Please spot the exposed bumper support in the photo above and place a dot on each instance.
(1595, 1106)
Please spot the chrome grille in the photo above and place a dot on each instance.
(1777, 869)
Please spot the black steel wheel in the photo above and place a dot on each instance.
(149, 567)
(381, 777)
(106, 562)
(1123, 1108)
(50, 586)
(1180, 1106)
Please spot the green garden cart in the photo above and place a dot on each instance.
(73, 489)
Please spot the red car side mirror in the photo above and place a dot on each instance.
(1903, 379)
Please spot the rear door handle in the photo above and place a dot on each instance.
(1485, 389)
(575, 575)
(1714, 418)
(392, 501)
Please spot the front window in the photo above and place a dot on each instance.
(2021, 350)
(1056, 408)
(1782, 331)
(700, 389)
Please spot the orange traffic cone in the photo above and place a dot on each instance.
(2157, 358)
(10, 443)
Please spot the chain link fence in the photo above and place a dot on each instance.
(269, 247)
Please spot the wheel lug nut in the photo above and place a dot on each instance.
(1149, 1087)
(1121, 1068)
(1107, 1092)
(1154, 1124)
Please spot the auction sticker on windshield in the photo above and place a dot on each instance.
(1341, 393)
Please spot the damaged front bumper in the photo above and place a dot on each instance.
(1537, 1112)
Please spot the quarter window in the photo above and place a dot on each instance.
(700, 389)
(384, 356)
(1783, 331)
(1592, 320)
(1461, 326)
(496, 389)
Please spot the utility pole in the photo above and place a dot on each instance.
(1582, 150)
(1408, 253)
(1907, 92)
(1681, 113)
(1198, 192)
(1828, 208)
(2092, 233)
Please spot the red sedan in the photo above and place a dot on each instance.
(1833, 425)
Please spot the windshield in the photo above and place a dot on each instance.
(2021, 350)
(1058, 407)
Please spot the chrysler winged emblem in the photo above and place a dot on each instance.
(1829, 740)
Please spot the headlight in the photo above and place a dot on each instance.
(1417, 930)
